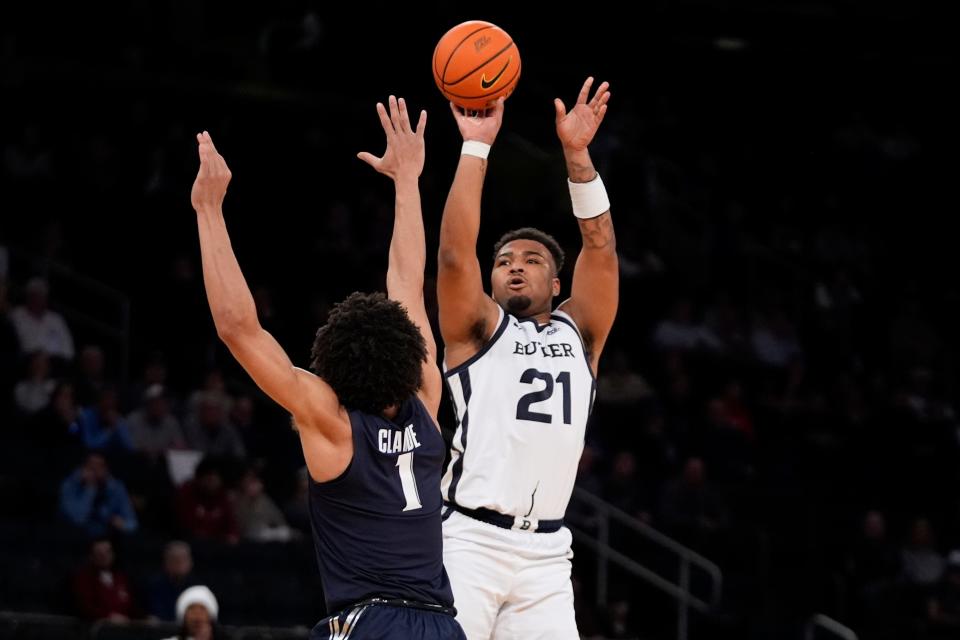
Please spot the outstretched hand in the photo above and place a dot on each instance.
(210, 186)
(480, 127)
(576, 127)
(404, 155)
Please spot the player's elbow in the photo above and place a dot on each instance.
(232, 330)
(452, 259)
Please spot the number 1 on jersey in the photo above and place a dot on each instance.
(408, 481)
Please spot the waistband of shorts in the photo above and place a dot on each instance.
(502, 520)
(404, 603)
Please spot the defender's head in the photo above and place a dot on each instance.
(370, 353)
(526, 264)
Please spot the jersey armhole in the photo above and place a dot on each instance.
(567, 319)
(346, 471)
(504, 319)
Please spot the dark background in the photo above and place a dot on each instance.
(755, 153)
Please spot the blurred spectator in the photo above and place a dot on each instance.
(33, 393)
(690, 507)
(91, 378)
(920, 563)
(724, 322)
(96, 502)
(57, 422)
(214, 389)
(617, 622)
(153, 429)
(620, 385)
(257, 440)
(203, 507)
(623, 488)
(913, 338)
(197, 611)
(297, 508)
(27, 158)
(259, 517)
(54, 431)
(656, 452)
(209, 431)
(588, 479)
(154, 373)
(678, 332)
(871, 565)
(100, 590)
(837, 301)
(774, 340)
(165, 587)
(943, 609)
(728, 410)
(102, 428)
(39, 328)
(9, 348)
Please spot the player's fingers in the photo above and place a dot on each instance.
(585, 90)
(210, 140)
(203, 150)
(404, 116)
(369, 158)
(601, 113)
(560, 109)
(222, 165)
(601, 91)
(497, 111)
(395, 114)
(422, 122)
(456, 111)
(384, 119)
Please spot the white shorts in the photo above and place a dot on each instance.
(509, 585)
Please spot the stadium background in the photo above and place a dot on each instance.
(782, 176)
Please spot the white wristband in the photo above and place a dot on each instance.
(589, 199)
(475, 148)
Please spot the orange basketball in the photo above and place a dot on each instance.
(475, 63)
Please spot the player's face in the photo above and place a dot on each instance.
(524, 280)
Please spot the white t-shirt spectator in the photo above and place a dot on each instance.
(33, 395)
(48, 333)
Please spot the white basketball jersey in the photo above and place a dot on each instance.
(522, 404)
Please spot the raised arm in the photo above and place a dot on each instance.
(467, 314)
(595, 291)
(311, 401)
(403, 162)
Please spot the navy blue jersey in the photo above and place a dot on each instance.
(376, 527)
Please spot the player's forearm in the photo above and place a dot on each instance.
(579, 165)
(598, 235)
(460, 225)
(597, 232)
(408, 253)
(228, 295)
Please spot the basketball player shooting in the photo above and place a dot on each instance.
(522, 380)
(365, 413)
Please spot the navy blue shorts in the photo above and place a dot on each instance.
(377, 621)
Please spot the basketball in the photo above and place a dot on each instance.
(475, 63)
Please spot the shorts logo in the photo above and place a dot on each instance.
(525, 525)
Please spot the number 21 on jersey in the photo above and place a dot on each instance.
(523, 406)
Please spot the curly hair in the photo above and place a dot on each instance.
(530, 233)
(369, 352)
